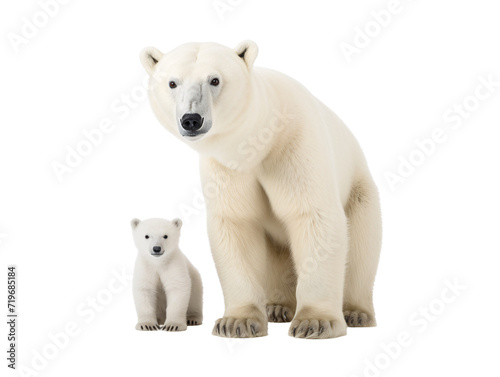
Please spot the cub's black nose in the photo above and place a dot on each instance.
(156, 249)
(191, 122)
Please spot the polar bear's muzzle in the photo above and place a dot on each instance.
(191, 122)
(157, 251)
(192, 126)
(193, 110)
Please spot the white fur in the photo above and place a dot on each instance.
(293, 213)
(167, 288)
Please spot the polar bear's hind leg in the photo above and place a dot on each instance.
(281, 283)
(195, 308)
(365, 234)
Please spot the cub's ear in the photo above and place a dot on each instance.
(149, 57)
(134, 223)
(177, 223)
(248, 51)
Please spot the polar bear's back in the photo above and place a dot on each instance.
(317, 124)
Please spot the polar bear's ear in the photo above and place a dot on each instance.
(177, 223)
(248, 51)
(134, 223)
(149, 57)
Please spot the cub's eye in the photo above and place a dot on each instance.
(165, 236)
(172, 85)
(146, 236)
(215, 82)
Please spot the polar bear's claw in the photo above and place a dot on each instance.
(174, 327)
(239, 328)
(278, 313)
(358, 318)
(316, 329)
(146, 326)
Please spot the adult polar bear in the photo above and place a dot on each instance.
(295, 226)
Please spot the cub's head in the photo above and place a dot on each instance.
(155, 237)
(198, 90)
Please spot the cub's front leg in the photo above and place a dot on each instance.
(237, 240)
(177, 285)
(145, 298)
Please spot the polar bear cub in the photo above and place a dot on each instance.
(167, 288)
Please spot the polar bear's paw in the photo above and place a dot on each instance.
(278, 313)
(317, 329)
(194, 321)
(309, 324)
(174, 326)
(357, 318)
(229, 327)
(147, 326)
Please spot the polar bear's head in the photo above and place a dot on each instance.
(155, 237)
(199, 90)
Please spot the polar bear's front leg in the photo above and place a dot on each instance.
(239, 248)
(319, 247)
(145, 295)
(145, 304)
(177, 306)
(235, 208)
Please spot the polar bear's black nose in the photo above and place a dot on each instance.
(191, 122)
(156, 249)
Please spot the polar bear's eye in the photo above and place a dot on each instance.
(146, 236)
(165, 236)
(214, 82)
(172, 84)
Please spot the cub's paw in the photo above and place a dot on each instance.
(317, 328)
(174, 326)
(229, 327)
(195, 321)
(358, 318)
(147, 326)
(278, 313)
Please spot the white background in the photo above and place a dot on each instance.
(68, 237)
